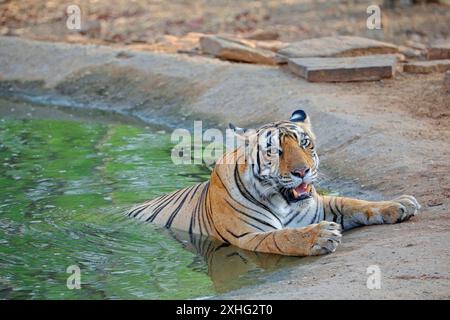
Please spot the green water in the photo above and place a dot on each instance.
(66, 178)
(63, 188)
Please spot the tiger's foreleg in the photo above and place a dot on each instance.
(351, 213)
(315, 239)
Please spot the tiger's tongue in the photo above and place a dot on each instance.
(301, 189)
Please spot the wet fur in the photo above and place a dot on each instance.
(241, 206)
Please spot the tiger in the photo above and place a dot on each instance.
(265, 199)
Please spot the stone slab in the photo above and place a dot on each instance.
(339, 46)
(431, 66)
(439, 50)
(367, 68)
(233, 50)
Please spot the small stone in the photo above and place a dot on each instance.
(124, 55)
(400, 57)
(233, 50)
(439, 50)
(427, 66)
(435, 202)
(366, 68)
(339, 46)
(409, 52)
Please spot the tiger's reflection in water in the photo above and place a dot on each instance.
(231, 267)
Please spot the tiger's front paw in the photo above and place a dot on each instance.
(328, 237)
(401, 209)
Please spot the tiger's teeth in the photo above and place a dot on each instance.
(295, 193)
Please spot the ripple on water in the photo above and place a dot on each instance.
(64, 186)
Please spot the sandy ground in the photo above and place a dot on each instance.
(376, 140)
(158, 25)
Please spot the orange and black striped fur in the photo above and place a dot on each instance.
(264, 200)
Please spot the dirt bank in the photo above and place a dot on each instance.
(390, 138)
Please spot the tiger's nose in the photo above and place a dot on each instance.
(301, 173)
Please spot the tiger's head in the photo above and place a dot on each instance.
(282, 158)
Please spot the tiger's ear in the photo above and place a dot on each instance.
(238, 131)
(299, 116)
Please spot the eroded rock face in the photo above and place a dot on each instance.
(234, 50)
(439, 50)
(427, 66)
(339, 46)
(344, 69)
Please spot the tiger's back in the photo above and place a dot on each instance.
(182, 209)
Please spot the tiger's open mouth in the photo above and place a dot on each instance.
(301, 192)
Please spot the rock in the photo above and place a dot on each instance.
(400, 57)
(344, 69)
(427, 66)
(272, 45)
(410, 52)
(262, 35)
(439, 50)
(234, 50)
(415, 45)
(339, 46)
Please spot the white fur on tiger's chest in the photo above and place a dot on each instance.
(305, 213)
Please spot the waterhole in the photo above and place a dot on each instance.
(66, 178)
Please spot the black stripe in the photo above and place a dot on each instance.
(248, 196)
(249, 216)
(193, 194)
(258, 162)
(335, 215)
(202, 211)
(317, 211)
(197, 211)
(161, 206)
(313, 219)
(251, 224)
(193, 213)
(292, 218)
(133, 213)
(264, 238)
(275, 242)
(208, 212)
(157, 201)
(177, 210)
(238, 236)
(191, 224)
